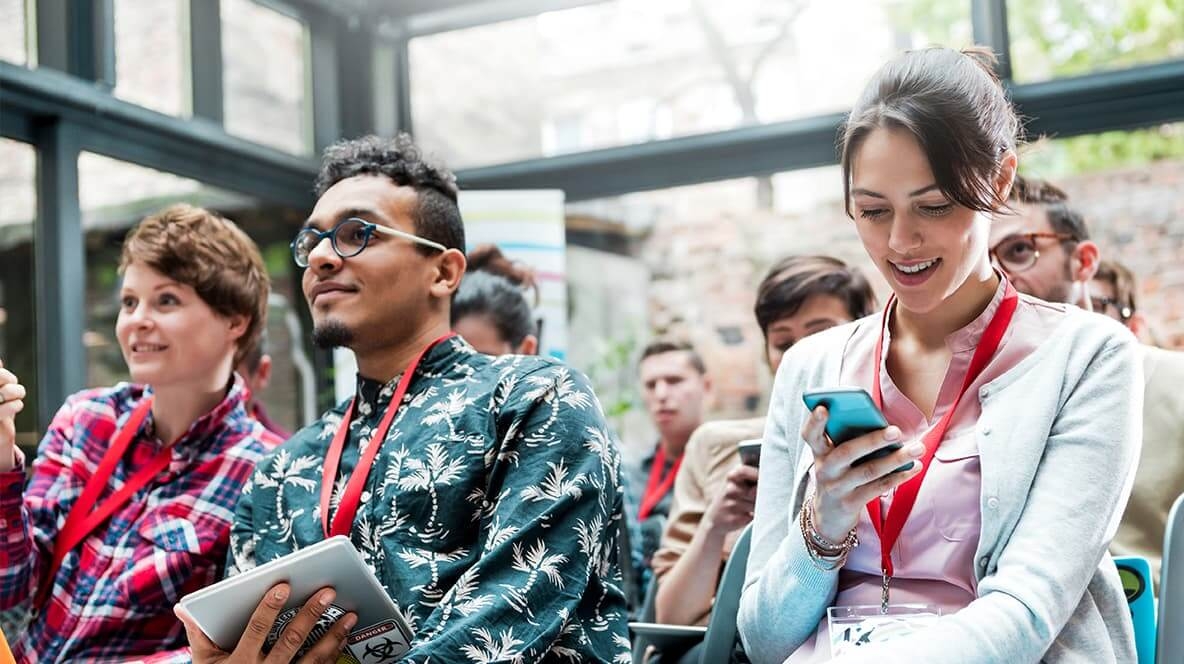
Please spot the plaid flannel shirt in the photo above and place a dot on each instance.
(112, 599)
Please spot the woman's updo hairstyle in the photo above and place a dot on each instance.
(954, 105)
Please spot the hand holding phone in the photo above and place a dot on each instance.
(750, 452)
(851, 413)
(866, 459)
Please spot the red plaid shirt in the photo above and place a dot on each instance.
(112, 599)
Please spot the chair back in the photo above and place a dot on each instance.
(640, 641)
(1170, 646)
(721, 628)
(1135, 572)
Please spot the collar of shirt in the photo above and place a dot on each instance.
(966, 338)
(374, 396)
(203, 432)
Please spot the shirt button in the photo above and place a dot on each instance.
(982, 562)
(986, 431)
(993, 502)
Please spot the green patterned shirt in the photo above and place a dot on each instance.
(490, 515)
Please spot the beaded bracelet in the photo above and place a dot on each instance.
(824, 554)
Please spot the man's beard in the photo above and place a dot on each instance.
(332, 334)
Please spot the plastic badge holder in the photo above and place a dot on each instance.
(851, 627)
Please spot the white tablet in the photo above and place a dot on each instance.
(223, 609)
(669, 637)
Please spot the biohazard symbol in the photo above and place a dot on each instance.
(384, 651)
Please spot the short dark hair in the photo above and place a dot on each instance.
(437, 216)
(1123, 280)
(795, 279)
(497, 299)
(669, 346)
(1063, 218)
(954, 106)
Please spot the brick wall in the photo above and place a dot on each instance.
(709, 247)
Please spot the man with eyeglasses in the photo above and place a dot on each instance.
(1112, 293)
(1043, 246)
(484, 492)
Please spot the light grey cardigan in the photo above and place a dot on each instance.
(1059, 441)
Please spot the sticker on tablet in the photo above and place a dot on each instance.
(378, 644)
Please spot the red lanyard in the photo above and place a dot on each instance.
(343, 520)
(657, 486)
(889, 529)
(82, 521)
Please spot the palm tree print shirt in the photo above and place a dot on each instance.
(490, 515)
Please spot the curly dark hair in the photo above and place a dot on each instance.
(437, 215)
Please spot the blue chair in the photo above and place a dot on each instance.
(721, 628)
(1135, 572)
(1170, 648)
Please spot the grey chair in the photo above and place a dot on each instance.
(721, 628)
(1170, 646)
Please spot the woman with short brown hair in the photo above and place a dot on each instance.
(133, 489)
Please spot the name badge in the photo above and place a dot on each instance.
(853, 626)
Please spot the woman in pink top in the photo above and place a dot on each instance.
(1013, 422)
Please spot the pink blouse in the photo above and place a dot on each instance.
(934, 556)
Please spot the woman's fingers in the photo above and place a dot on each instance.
(846, 454)
(862, 495)
(813, 432)
(872, 470)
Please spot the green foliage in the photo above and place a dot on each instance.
(1056, 38)
(614, 378)
(1105, 151)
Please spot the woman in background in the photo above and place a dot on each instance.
(134, 486)
(490, 309)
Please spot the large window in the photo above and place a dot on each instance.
(628, 71)
(12, 31)
(150, 58)
(18, 306)
(1054, 38)
(116, 195)
(264, 56)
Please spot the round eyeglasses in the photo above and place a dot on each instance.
(349, 238)
(1019, 252)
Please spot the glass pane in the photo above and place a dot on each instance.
(18, 307)
(1128, 186)
(1070, 37)
(264, 56)
(12, 32)
(149, 54)
(628, 71)
(116, 195)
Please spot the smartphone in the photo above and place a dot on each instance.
(852, 413)
(750, 452)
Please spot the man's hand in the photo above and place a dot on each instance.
(250, 645)
(12, 401)
(732, 507)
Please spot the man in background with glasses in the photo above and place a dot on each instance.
(1044, 248)
(1113, 293)
(1043, 245)
(484, 492)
